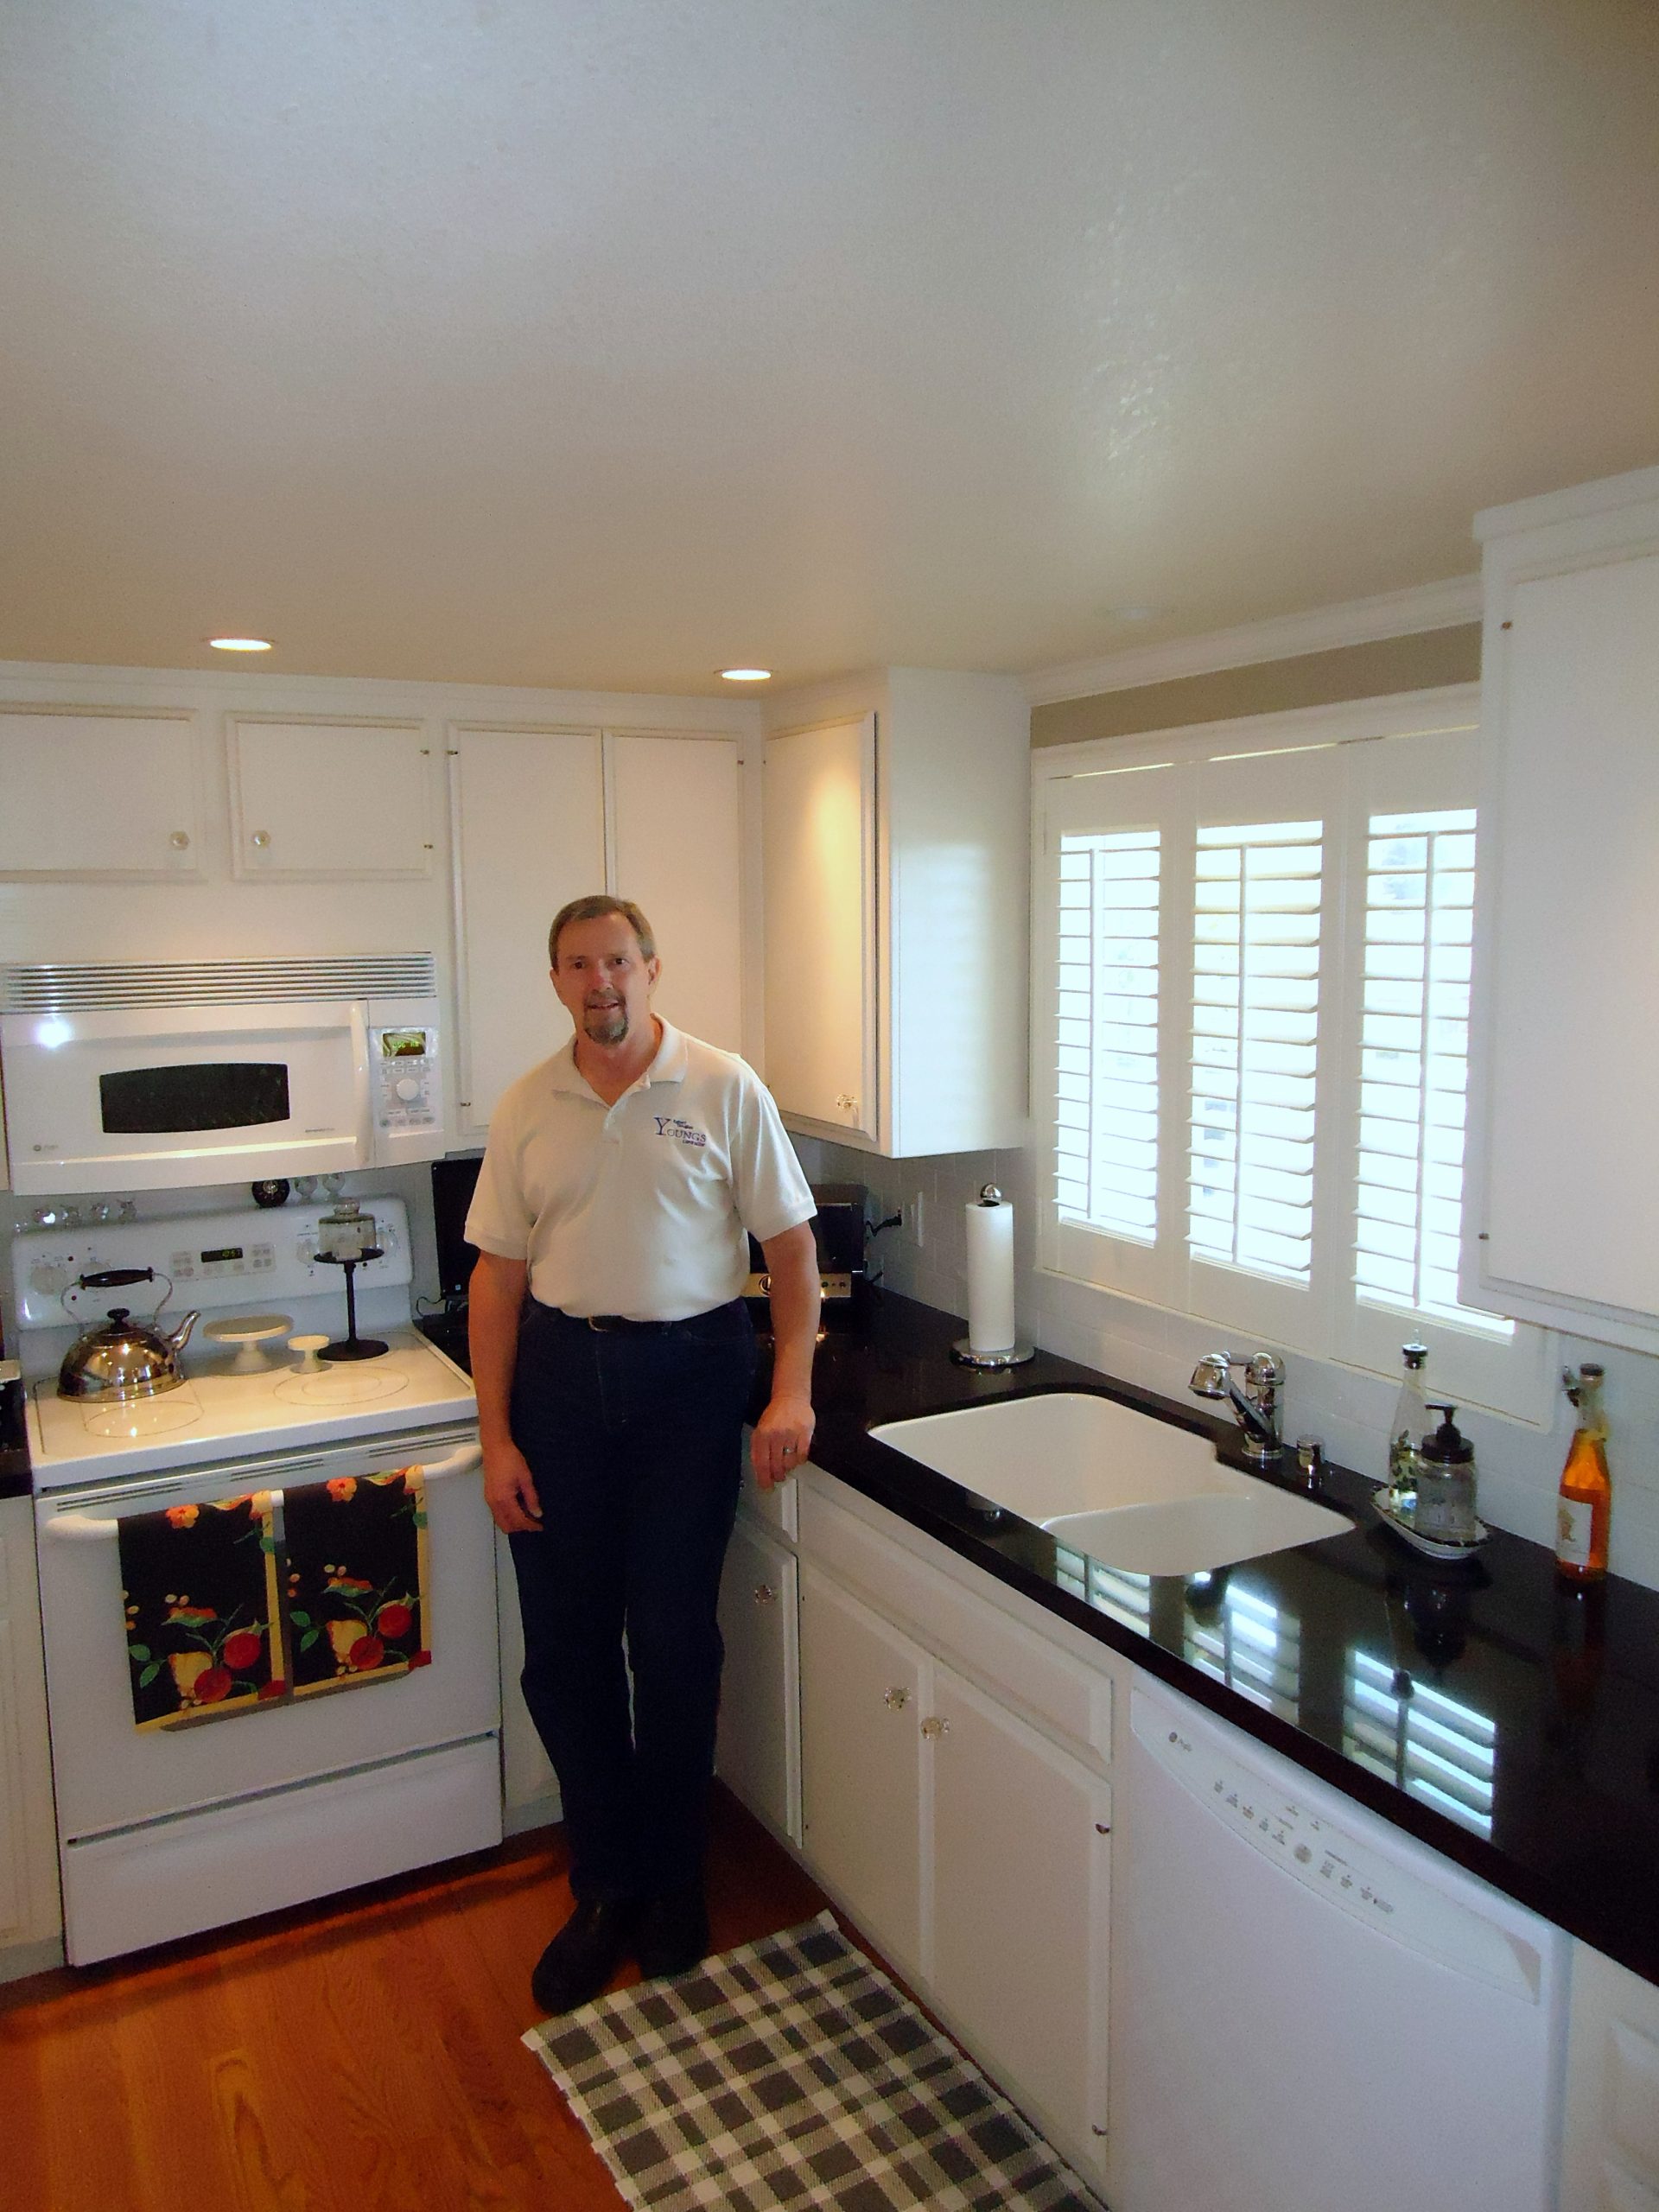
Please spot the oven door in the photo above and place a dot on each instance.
(152, 1098)
(109, 1775)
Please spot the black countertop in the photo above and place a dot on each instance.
(14, 1443)
(1355, 1656)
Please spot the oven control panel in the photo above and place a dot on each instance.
(205, 1260)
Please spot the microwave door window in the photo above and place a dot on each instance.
(199, 1095)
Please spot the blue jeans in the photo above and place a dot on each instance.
(634, 1439)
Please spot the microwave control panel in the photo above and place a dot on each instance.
(407, 1090)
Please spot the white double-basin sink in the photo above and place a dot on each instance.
(1132, 1491)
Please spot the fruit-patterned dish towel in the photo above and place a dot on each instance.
(353, 1571)
(201, 1603)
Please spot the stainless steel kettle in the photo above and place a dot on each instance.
(125, 1359)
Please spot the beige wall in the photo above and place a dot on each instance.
(1270, 687)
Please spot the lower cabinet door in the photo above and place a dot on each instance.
(861, 1685)
(1610, 2159)
(1021, 1865)
(758, 1754)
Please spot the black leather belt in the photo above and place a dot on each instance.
(605, 1323)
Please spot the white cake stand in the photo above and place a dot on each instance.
(247, 1332)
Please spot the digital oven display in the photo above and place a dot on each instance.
(225, 1252)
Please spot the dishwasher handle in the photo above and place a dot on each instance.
(91, 1528)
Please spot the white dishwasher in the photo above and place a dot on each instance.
(1312, 2012)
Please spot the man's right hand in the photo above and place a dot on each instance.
(510, 1492)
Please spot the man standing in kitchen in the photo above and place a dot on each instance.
(613, 1360)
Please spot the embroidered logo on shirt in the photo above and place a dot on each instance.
(670, 1125)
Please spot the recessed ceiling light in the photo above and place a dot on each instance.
(240, 645)
(745, 675)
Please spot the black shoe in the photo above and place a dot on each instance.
(672, 1934)
(584, 1954)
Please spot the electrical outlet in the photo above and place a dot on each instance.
(915, 1220)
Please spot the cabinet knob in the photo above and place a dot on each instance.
(261, 839)
(846, 1103)
(179, 840)
(895, 1699)
(933, 1726)
(1102, 1827)
(764, 1594)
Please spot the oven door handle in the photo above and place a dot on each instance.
(82, 1528)
(90, 1528)
(460, 1462)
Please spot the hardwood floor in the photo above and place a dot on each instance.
(360, 2055)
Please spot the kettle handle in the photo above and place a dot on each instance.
(114, 1278)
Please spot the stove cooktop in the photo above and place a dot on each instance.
(217, 1413)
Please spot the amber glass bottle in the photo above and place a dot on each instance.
(1584, 1509)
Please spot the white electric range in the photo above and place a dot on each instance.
(165, 1832)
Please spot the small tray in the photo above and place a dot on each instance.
(1431, 1546)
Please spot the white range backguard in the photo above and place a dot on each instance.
(166, 1832)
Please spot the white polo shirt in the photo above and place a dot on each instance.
(644, 1208)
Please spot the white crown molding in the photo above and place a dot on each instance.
(1406, 613)
(256, 690)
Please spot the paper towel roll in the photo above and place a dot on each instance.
(991, 1277)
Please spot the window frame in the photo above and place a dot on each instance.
(1328, 761)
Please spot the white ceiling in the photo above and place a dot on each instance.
(603, 342)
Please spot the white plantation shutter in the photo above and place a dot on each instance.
(1106, 1016)
(1255, 998)
(1414, 1063)
(1252, 1042)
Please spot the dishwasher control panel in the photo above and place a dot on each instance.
(1279, 1822)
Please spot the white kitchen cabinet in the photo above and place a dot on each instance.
(677, 850)
(1019, 1909)
(1610, 2152)
(758, 1754)
(1561, 1224)
(896, 911)
(30, 1923)
(821, 926)
(98, 795)
(528, 807)
(861, 1683)
(545, 815)
(329, 800)
(956, 1806)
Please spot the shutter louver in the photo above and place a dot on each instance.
(1255, 996)
(1106, 1061)
(1415, 1065)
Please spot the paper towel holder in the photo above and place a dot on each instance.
(963, 1351)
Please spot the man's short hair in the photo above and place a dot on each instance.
(594, 908)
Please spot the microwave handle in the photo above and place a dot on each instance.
(365, 1083)
(90, 1528)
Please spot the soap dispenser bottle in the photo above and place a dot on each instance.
(1410, 1420)
(1446, 1484)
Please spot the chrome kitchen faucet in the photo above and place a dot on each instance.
(1256, 1408)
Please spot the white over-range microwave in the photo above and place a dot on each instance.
(163, 1076)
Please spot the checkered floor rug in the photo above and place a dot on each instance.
(791, 2073)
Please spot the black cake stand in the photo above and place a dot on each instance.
(352, 1346)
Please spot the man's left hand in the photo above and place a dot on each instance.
(783, 1437)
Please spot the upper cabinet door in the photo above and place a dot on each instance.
(1564, 1222)
(529, 810)
(676, 846)
(821, 925)
(97, 795)
(329, 798)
